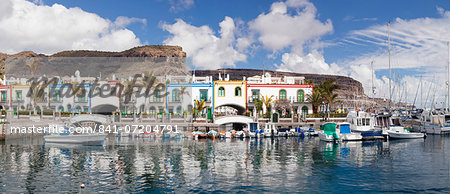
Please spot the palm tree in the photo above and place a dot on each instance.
(328, 92)
(258, 106)
(315, 98)
(199, 107)
(267, 101)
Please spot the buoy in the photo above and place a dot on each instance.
(82, 186)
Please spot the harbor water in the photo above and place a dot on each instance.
(237, 165)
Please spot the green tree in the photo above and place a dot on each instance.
(315, 98)
(258, 105)
(329, 88)
(267, 101)
(199, 106)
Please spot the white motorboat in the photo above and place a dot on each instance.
(399, 132)
(434, 122)
(346, 134)
(61, 133)
(329, 133)
(86, 139)
(311, 132)
(283, 132)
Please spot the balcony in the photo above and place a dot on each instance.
(4, 101)
(251, 99)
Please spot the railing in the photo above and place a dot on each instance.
(252, 99)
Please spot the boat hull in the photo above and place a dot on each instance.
(398, 135)
(85, 139)
(325, 137)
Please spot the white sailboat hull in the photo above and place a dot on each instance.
(404, 135)
(351, 137)
(76, 139)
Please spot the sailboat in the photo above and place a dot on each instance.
(387, 123)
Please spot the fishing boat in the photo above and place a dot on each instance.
(393, 128)
(434, 122)
(399, 132)
(199, 134)
(329, 133)
(225, 134)
(346, 133)
(213, 134)
(364, 123)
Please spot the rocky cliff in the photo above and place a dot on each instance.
(158, 59)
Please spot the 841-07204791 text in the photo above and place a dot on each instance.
(137, 129)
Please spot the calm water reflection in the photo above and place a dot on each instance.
(268, 165)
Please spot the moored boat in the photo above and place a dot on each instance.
(346, 134)
(328, 132)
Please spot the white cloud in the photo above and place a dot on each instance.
(49, 29)
(122, 21)
(418, 48)
(180, 5)
(280, 29)
(313, 62)
(203, 47)
(5, 9)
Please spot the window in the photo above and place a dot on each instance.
(3, 96)
(175, 97)
(221, 91)
(304, 111)
(57, 96)
(19, 95)
(204, 95)
(282, 94)
(255, 94)
(156, 97)
(237, 91)
(113, 91)
(300, 96)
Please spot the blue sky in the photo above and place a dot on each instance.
(316, 36)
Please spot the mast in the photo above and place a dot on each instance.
(448, 74)
(373, 88)
(389, 54)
